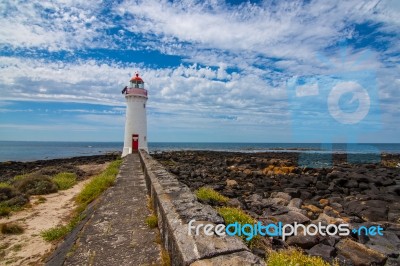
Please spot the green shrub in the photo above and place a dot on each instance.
(5, 185)
(98, 184)
(55, 233)
(11, 229)
(152, 221)
(233, 215)
(4, 210)
(294, 256)
(65, 180)
(210, 195)
(36, 185)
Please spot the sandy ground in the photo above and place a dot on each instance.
(29, 248)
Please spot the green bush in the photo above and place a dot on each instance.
(294, 256)
(4, 210)
(65, 180)
(233, 215)
(98, 184)
(36, 185)
(152, 221)
(211, 196)
(5, 185)
(11, 229)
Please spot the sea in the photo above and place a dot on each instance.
(39, 150)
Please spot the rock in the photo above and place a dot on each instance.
(374, 214)
(312, 208)
(296, 202)
(351, 184)
(291, 217)
(321, 185)
(337, 206)
(359, 254)
(303, 241)
(293, 192)
(324, 202)
(231, 183)
(324, 251)
(331, 212)
(328, 219)
(255, 197)
(281, 195)
(363, 185)
(235, 203)
(393, 262)
(388, 244)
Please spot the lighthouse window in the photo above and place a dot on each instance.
(144, 105)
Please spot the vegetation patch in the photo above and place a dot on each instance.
(36, 185)
(232, 215)
(65, 180)
(11, 229)
(294, 256)
(4, 210)
(5, 185)
(98, 184)
(152, 221)
(211, 196)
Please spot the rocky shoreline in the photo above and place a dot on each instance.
(271, 187)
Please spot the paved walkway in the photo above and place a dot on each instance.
(116, 234)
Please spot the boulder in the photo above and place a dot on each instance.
(291, 217)
(321, 250)
(303, 241)
(359, 254)
(296, 202)
(231, 183)
(388, 244)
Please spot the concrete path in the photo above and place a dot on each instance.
(116, 234)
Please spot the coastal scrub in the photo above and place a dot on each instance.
(294, 256)
(211, 196)
(65, 180)
(232, 215)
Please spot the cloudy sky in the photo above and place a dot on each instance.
(216, 71)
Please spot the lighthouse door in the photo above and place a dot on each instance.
(135, 143)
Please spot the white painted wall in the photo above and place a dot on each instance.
(135, 123)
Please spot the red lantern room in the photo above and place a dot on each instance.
(136, 87)
(137, 82)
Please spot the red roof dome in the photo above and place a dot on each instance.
(136, 78)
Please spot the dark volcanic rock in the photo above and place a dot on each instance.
(302, 241)
(359, 254)
(324, 251)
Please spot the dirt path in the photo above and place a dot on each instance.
(29, 248)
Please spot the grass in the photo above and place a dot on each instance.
(233, 215)
(64, 180)
(209, 194)
(11, 229)
(294, 257)
(165, 258)
(90, 192)
(98, 184)
(152, 221)
(5, 185)
(4, 210)
(41, 199)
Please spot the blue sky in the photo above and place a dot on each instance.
(216, 71)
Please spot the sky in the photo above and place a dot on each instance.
(216, 71)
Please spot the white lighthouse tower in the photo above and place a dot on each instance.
(136, 121)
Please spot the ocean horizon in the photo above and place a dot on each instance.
(43, 150)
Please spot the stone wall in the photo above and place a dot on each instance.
(175, 205)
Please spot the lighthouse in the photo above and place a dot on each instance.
(136, 121)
